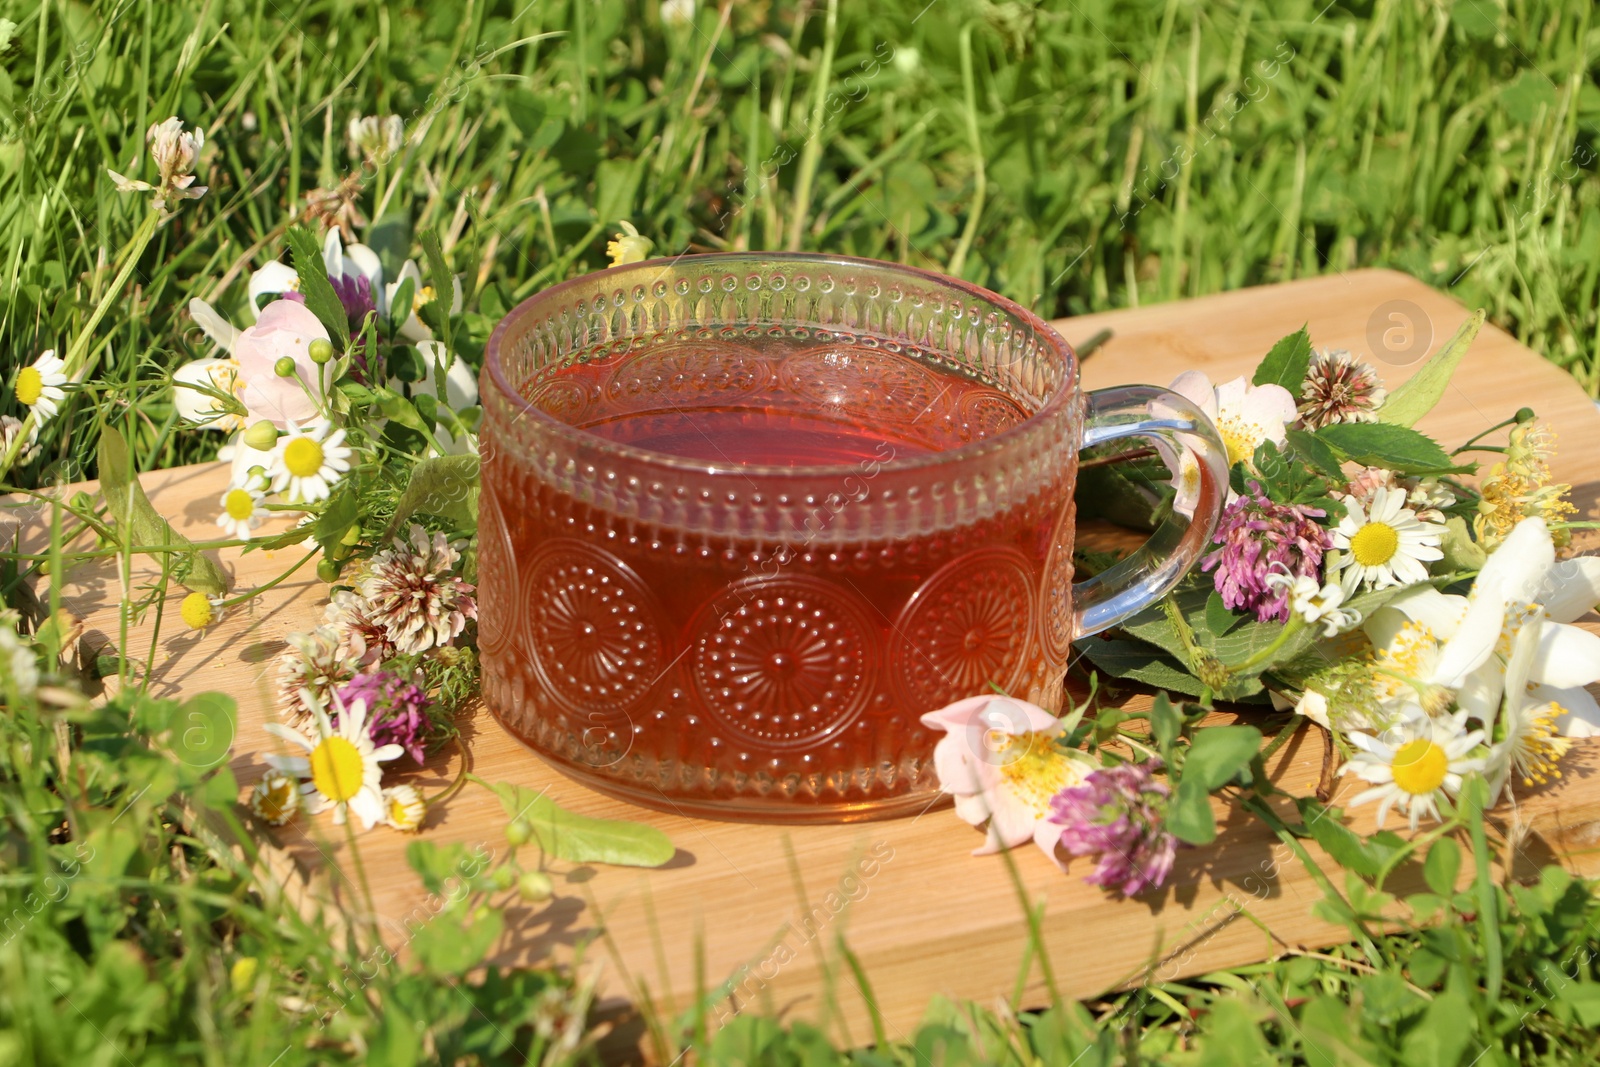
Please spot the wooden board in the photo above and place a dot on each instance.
(761, 909)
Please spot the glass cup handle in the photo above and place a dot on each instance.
(1188, 441)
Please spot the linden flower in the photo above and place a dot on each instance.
(1245, 415)
(1000, 760)
(341, 765)
(1384, 544)
(199, 611)
(310, 461)
(242, 510)
(403, 808)
(275, 798)
(40, 386)
(1411, 766)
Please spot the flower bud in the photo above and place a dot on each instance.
(242, 975)
(320, 351)
(535, 887)
(284, 368)
(1523, 415)
(328, 570)
(262, 436)
(518, 832)
(503, 877)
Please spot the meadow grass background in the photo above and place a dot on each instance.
(1075, 156)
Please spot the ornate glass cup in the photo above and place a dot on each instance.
(746, 517)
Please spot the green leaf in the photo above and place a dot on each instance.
(454, 942)
(579, 838)
(202, 730)
(1218, 754)
(1316, 453)
(616, 184)
(1139, 662)
(390, 237)
(338, 515)
(1442, 866)
(445, 486)
(1287, 363)
(138, 522)
(1381, 444)
(1189, 815)
(1219, 619)
(318, 291)
(400, 308)
(1165, 725)
(440, 864)
(1416, 396)
(443, 282)
(1443, 1036)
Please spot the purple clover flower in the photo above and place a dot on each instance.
(1119, 813)
(1260, 538)
(396, 710)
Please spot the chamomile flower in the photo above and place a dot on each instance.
(1412, 765)
(40, 386)
(1384, 543)
(200, 611)
(309, 461)
(1315, 602)
(275, 798)
(242, 509)
(341, 765)
(403, 808)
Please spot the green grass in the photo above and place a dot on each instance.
(1075, 156)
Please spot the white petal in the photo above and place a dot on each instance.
(193, 405)
(1571, 588)
(290, 734)
(1473, 642)
(1047, 835)
(1567, 656)
(385, 753)
(955, 769)
(1268, 405)
(365, 261)
(972, 809)
(1516, 569)
(1195, 387)
(274, 278)
(298, 766)
(215, 326)
(1583, 718)
(1012, 822)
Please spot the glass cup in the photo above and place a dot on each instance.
(745, 517)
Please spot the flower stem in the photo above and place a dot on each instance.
(77, 354)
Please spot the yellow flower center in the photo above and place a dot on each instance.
(424, 296)
(302, 457)
(30, 386)
(400, 813)
(1420, 766)
(197, 611)
(1035, 770)
(1239, 437)
(1408, 658)
(278, 801)
(239, 504)
(1374, 544)
(337, 769)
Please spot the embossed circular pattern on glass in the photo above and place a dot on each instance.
(747, 517)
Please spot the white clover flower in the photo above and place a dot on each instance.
(376, 139)
(175, 153)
